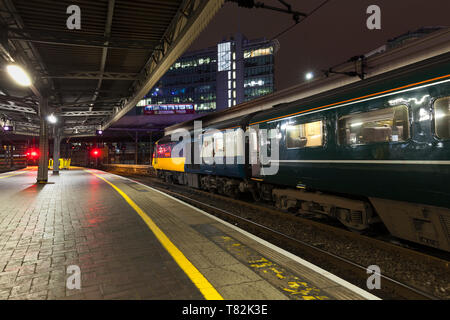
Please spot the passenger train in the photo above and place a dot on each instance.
(377, 150)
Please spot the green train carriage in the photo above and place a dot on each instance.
(379, 148)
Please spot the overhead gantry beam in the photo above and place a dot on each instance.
(71, 39)
(85, 113)
(192, 17)
(95, 75)
(16, 108)
(21, 109)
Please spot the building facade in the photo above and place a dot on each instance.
(216, 78)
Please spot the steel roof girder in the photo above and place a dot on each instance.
(95, 75)
(85, 113)
(15, 108)
(180, 34)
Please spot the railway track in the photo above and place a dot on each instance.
(347, 268)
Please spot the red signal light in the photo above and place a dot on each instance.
(95, 153)
(32, 154)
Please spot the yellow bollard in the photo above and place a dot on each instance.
(68, 163)
(50, 163)
(61, 163)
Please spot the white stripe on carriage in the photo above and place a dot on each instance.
(422, 162)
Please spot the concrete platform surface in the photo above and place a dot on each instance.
(129, 241)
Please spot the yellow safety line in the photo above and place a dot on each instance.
(15, 174)
(208, 291)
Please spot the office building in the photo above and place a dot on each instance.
(234, 71)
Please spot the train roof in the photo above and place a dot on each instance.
(436, 67)
(435, 44)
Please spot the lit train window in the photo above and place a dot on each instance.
(207, 148)
(230, 144)
(304, 135)
(384, 125)
(442, 117)
(218, 145)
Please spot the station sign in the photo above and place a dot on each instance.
(169, 109)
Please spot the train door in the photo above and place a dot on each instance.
(196, 147)
(253, 149)
(155, 156)
(207, 153)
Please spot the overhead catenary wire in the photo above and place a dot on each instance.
(306, 17)
(281, 33)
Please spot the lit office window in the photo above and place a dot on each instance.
(234, 74)
(258, 52)
(229, 103)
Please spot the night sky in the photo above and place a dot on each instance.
(330, 36)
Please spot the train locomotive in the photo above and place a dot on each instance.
(374, 151)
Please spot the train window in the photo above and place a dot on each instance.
(207, 148)
(218, 145)
(230, 143)
(164, 150)
(384, 125)
(442, 117)
(254, 140)
(304, 135)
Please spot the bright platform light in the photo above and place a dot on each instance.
(19, 75)
(52, 119)
(309, 76)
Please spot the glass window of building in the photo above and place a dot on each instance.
(442, 118)
(304, 135)
(258, 52)
(224, 56)
(384, 125)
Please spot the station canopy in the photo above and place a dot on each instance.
(94, 75)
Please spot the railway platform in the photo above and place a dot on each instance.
(129, 241)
